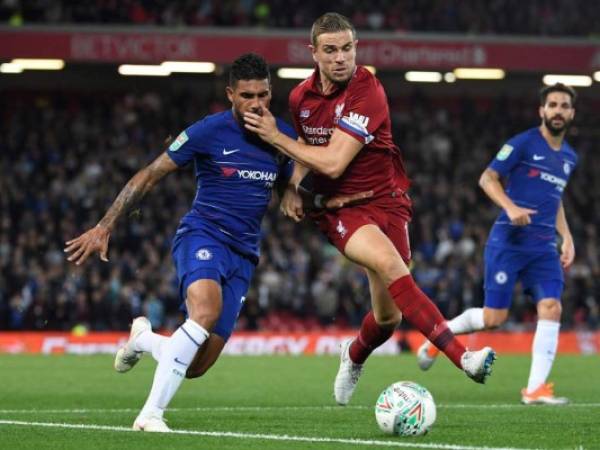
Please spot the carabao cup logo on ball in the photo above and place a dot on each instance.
(406, 409)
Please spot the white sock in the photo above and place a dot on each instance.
(177, 354)
(470, 320)
(151, 342)
(543, 352)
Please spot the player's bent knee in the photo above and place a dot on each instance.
(204, 303)
(493, 319)
(549, 309)
(206, 319)
(390, 268)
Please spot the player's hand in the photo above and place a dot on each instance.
(567, 252)
(520, 216)
(263, 125)
(291, 204)
(92, 241)
(340, 201)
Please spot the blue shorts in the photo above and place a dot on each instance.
(198, 256)
(540, 273)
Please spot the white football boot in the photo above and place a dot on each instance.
(347, 376)
(127, 356)
(424, 359)
(478, 364)
(151, 424)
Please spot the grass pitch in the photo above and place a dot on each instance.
(280, 402)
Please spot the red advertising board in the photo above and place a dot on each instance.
(385, 51)
(313, 343)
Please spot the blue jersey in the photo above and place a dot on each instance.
(537, 176)
(235, 174)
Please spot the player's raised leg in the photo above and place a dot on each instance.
(370, 247)
(204, 307)
(376, 328)
(545, 343)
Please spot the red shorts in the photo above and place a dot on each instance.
(392, 219)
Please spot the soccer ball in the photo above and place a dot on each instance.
(406, 409)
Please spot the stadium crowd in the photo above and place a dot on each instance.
(538, 17)
(64, 157)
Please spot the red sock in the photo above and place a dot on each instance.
(423, 314)
(370, 336)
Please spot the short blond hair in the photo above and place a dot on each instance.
(330, 22)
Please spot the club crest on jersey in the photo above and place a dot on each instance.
(567, 168)
(177, 143)
(501, 277)
(305, 114)
(203, 254)
(341, 229)
(339, 109)
(504, 152)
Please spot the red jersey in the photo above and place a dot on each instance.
(360, 109)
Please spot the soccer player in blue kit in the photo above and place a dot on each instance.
(216, 246)
(522, 242)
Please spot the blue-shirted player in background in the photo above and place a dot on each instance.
(216, 246)
(522, 243)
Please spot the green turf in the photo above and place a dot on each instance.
(289, 396)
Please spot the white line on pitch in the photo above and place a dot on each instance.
(267, 437)
(276, 408)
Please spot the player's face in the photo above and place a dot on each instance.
(249, 96)
(335, 54)
(558, 112)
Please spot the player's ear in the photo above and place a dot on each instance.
(313, 51)
(229, 92)
(541, 112)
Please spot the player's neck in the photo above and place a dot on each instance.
(327, 86)
(555, 142)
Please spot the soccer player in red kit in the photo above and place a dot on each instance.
(342, 117)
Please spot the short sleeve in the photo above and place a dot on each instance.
(287, 166)
(188, 144)
(287, 169)
(508, 157)
(293, 105)
(364, 110)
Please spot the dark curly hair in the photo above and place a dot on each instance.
(249, 66)
(557, 87)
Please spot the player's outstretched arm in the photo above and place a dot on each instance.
(567, 248)
(95, 240)
(291, 204)
(341, 150)
(491, 185)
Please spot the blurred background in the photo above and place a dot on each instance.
(88, 96)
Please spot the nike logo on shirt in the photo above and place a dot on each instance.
(538, 157)
(229, 152)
